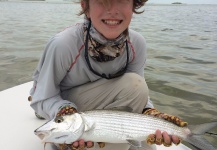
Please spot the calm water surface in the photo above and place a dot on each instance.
(181, 69)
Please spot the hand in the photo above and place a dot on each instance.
(163, 138)
(66, 110)
(79, 145)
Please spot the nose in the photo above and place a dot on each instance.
(113, 8)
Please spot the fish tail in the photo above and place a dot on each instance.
(196, 139)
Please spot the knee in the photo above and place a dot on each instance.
(135, 90)
(134, 80)
(135, 83)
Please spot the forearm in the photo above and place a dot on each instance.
(163, 137)
(49, 108)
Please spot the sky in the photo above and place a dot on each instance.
(184, 1)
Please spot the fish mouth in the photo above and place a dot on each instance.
(42, 135)
(46, 136)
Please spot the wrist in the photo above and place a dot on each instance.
(147, 111)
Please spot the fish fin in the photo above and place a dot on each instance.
(122, 108)
(200, 143)
(141, 145)
(196, 138)
(134, 143)
(148, 147)
(88, 125)
(202, 128)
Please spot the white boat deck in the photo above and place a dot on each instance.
(19, 122)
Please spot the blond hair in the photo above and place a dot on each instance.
(136, 5)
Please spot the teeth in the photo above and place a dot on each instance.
(112, 22)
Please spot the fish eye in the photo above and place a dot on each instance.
(58, 119)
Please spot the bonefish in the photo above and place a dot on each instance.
(118, 127)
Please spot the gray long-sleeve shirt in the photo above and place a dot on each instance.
(63, 66)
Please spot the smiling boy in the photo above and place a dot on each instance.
(97, 64)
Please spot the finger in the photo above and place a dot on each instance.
(167, 140)
(176, 140)
(75, 144)
(71, 147)
(81, 144)
(151, 139)
(62, 146)
(159, 137)
(89, 144)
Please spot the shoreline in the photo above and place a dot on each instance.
(76, 2)
(40, 1)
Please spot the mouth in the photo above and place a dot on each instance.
(112, 22)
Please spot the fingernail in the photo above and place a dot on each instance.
(178, 142)
(167, 145)
(183, 124)
(101, 144)
(159, 141)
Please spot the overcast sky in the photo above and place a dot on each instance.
(184, 1)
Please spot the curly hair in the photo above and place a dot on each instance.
(136, 5)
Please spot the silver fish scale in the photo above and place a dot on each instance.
(124, 125)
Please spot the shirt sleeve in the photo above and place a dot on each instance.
(137, 64)
(137, 45)
(51, 70)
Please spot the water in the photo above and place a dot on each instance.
(181, 69)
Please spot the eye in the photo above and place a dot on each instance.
(59, 119)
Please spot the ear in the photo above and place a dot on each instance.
(84, 6)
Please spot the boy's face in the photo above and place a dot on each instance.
(111, 20)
